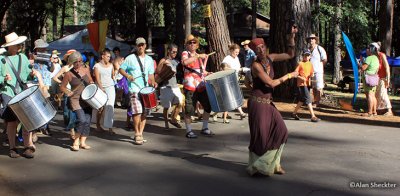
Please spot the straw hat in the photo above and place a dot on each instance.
(191, 38)
(39, 43)
(245, 42)
(2, 50)
(13, 39)
(312, 36)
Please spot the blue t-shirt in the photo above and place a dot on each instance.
(249, 58)
(132, 67)
(44, 71)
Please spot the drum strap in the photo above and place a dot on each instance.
(19, 81)
(79, 77)
(141, 69)
(200, 74)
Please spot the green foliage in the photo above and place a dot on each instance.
(357, 20)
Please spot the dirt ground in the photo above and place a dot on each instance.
(334, 107)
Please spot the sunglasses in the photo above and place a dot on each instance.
(140, 45)
(192, 42)
(55, 57)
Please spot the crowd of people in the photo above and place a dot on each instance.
(128, 79)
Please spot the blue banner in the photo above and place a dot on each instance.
(354, 64)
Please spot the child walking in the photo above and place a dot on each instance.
(305, 70)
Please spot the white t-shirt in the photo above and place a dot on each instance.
(317, 55)
(233, 63)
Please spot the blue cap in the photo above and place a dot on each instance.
(306, 52)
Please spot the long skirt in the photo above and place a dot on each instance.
(265, 164)
(268, 134)
(383, 101)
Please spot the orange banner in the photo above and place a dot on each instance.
(98, 34)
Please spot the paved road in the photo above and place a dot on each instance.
(323, 158)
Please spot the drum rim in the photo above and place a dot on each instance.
(154, 89)
(90, 97)
(37, 88)
(229, 72)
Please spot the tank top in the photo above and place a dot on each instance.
(172, 81)
(105, 75)
(259, 87)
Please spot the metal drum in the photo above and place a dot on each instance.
(94, 96)
(149, 97)
(32, 109)
(223, 91)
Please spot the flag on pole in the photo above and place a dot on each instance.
(98, 34)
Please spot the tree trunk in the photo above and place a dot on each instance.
(180, 29)
(386, 25)
(253, 19)
(169, 20)
(63, 18)
(217, 34)
(4, 5)
(281, 13)
(336, 45)
(55, 21)
(141, 19)
(188, 22)
(76, 22)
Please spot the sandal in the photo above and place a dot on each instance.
(86, 147)
(177, 125)
(367, 115)
(315, 119)
(295, 116)
(28, 152)
(138, 140)
(207, 132)
(13, 153)
(242, 116)
(226, 121)
(191, 135)
(75, 148)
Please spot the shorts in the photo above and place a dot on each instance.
(318, 81)
(170, 96)
(136, 105)
(8, 114)
(304, 94)
(191, 99)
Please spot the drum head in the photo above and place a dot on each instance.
(89, 91)
(220, 74)
(147, 90)
(23, 94)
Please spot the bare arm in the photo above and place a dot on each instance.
(259, 72)
(64, 84)
(61, 72)
(387, 68)
(98, 78)
(160, 65)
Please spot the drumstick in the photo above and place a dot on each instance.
(211, 53)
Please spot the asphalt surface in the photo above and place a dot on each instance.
(325, 158)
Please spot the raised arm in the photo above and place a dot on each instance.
(291, 45)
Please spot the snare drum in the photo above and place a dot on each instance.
(32, 108)
(94, 96)
(148, 96)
